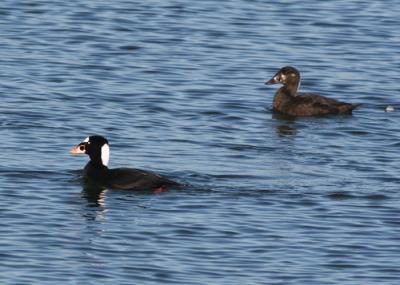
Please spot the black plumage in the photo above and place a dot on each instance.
(97, 173)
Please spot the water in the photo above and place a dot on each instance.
(177, 87)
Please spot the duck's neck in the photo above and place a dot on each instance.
(99, 158)
(97, 163)
(291, 88)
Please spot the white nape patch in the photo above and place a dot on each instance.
(86, 140)
(105, 154)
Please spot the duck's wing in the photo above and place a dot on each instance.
(137, 179)
(309, 104)
(313, 98)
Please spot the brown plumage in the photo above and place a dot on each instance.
(288, 101)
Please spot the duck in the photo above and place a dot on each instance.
(96, 171)
(290, 102)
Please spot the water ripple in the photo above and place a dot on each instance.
(179, 89)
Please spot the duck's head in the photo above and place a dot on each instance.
(96, 147)
(287, 75)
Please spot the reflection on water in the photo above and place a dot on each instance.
(283, 117)
(95, 208)
(94, 195)
(285, 130)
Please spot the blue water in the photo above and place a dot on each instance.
(177, 87)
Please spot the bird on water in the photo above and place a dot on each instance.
(96, 171)
(290, 102)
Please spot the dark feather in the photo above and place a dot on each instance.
(288, 101)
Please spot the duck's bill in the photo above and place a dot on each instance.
(273, 80)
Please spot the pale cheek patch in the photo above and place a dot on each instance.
(283, 77)
(105, 154)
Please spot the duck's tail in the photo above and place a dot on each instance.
(355, 106)
(348, 108)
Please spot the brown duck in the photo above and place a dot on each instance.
(288, 101)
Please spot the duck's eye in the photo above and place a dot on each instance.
(82, 148)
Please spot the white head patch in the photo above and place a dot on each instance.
(86, 140)
(105, 154)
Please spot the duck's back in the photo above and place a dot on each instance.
(136, 179)
(310, 104)
(125, 178)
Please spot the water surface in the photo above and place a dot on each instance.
(177, 87)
